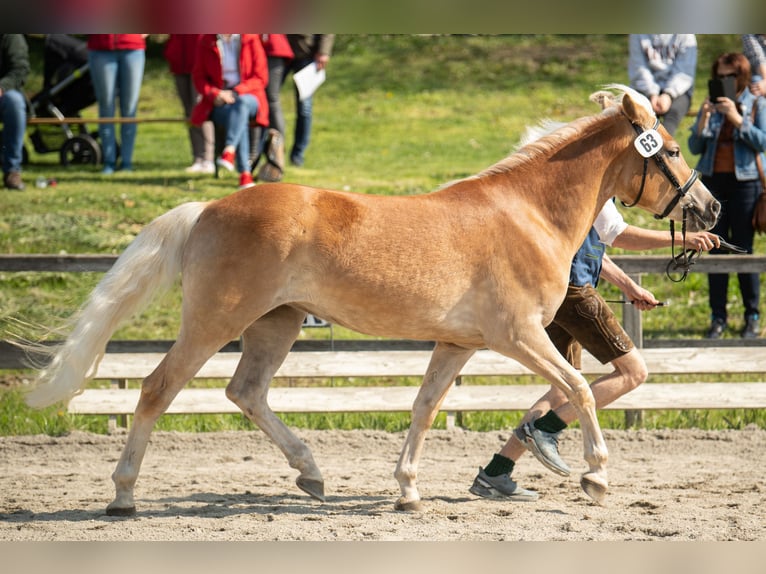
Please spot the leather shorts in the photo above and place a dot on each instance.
(585, 320)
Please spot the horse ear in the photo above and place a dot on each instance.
(604, 99)
(637, 113)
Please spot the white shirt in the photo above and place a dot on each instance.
(609, 223)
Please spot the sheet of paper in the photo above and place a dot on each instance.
(308, 80)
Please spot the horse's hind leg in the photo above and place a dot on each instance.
(444, 367)
(266, 343)
(157, 392)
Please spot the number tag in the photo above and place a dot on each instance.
(648, 143)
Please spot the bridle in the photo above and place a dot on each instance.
(684, 260)
(659, 158)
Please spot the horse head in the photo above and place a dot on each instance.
(661, 182)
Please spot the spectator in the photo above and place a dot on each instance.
(662, 67)
(231, 73)
(14, 70)
(729, 134)
(180, 51)
(307, 48)
(117, 70)
(583, 320)
(279, 55)
(754, 47)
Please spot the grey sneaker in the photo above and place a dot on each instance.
(545, 447)
(500, 487)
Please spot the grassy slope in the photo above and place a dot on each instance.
(398, 115)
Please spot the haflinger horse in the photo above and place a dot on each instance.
(479, 263)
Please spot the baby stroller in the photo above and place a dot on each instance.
(67, 89)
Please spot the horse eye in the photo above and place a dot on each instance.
(674, 152)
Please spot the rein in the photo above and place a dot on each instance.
(685, 259)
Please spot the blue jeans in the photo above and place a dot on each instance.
(117, 73)
(734, 224)
(235, 118)
(303, 111)
(13, 110)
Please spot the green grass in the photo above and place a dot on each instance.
(397, 115)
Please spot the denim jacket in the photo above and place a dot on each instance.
(748, 139)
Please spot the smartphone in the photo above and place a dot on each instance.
(722, 88)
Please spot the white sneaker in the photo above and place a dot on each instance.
(201, 166)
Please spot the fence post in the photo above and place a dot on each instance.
(631, 321)
(117, 420)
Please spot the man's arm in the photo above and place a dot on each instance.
(637, 239)
(641, 298)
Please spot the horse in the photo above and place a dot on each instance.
(482, 262)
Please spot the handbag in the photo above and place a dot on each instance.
(759, 213)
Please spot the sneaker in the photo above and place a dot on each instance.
(500, 487)
(545, 447)
(752, 329)
(246, 180)
(313, 321)
(12, 180)
(717, 327)
(226, 161)
(201, 166)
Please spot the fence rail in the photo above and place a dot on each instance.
(133, 360)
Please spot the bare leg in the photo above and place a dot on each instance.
(444, 367)
(266, 344)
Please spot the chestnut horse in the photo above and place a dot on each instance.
(480, 263)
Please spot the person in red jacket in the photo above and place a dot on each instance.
(231, 74)
(180, 53)
(117, 69)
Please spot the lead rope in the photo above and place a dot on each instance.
(684, 260)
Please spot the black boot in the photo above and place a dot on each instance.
(752, 330)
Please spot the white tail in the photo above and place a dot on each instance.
(150, 264)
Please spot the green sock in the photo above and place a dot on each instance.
(550, 422)
(499, 465)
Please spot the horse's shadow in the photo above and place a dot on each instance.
(212, 505)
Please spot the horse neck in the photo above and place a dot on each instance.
(566, 176)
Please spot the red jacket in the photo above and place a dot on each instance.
(180, 52)
(277, 46)
(116, 42)
(208, 75)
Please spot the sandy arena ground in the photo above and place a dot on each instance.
(665, 485)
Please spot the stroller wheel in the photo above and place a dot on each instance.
(81, 149)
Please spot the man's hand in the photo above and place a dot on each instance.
(321, 61)
(641, 298)
(702, 240)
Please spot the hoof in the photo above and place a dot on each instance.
(314, 488)
(118, 511)
(594, 486)
(408, 505)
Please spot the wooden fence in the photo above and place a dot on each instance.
(316, 359)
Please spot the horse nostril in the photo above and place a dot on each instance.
(716, 208)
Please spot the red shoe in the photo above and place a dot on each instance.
(246, 180)
(226, 161)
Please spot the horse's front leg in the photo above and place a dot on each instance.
(594, 482)
(444, 367)
(535, 350)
